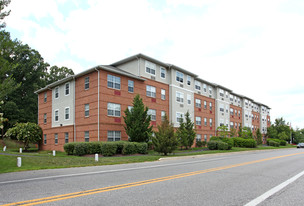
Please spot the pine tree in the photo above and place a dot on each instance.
(165, 140)
(258, 137)
(137, 121)
(186, 132)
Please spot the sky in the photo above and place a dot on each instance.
(255, 48)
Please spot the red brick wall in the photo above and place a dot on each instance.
(236, 118)
(255, 121)
(205, 113)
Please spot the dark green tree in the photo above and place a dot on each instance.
(57, 73)
(26, 132)
(138, 121)
(258, 135)
(240, 131)
(186, 132)
(278, 127)
(165, 140)
(3, 13)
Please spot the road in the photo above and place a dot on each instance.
(265, 177)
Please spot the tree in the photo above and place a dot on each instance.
(165, 140)
(222, 131)
(3, 14)
(246, 133)
(240, 131)
(57, 73)
(2, 119)
(258, 135)
(232, 132)
(186, 132)
(278, 127)
(137, 121)
(283, 136)
(25, 132)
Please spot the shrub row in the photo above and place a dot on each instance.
(273, 143)
(241, 142)
(200, 143)
(279, 141)
(217, 145)
(105, 148)
(227, 140)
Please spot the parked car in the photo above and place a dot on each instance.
(300, 145)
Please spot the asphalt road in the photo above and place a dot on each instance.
(222, 179)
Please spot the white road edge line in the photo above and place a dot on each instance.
(107, 171)
(274, 190)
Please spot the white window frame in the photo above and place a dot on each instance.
(114, 80)
(151, 66)
(163, 94)
(116, 135)
(179, 77)
(198, 137)
(152, 114)
(163, 113)
(210, 122)
(205, 121)
(44, 118)
(87, 83)
(163, 71)
(205, 104)
(197, 85)
(114, 108)
(204, 87)
(210, 106)
(198, 121)
(66, 137)
(86, 136)
(67, 89)
(86, 110)
(198, 103)
(45, 97)
(56, 138)
(180, 97)
(67, 113)
(44, 139)
(179, 115)
(56, 111)
(56, 91)
(150, 91)
(189, 99)
(188, 80)
(210, 90)
(222, 108)
(131, 86)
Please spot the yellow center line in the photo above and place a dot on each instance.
(135, 184)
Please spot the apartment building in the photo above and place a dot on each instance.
(90, 106)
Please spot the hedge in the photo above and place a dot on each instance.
(200, 144)
(227, 140)
(105, 148)
(281, 142)
(241, 142)
(214, 145)
(273, 143)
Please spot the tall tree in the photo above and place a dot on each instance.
(186, 132)
(258, 135)
(165, 140)
(138, 121)
(58, 73)
(3, 13)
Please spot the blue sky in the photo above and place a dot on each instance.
(254, 48)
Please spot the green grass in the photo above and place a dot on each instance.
(35, 160)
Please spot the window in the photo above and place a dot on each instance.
(210, 90)
(198, 137)
(205, 121)
(222, 108)
(198, 103)
(151, 91)
(56, 92)
(44, 139)
(44, 118)
(221, 122)
(227, 94)
(246, 114)
(163, 73)
(114, 135)
(86, 136)
(188, 80)
(210, 106)
(235, 112)
(197, 85)
(113, 82)
(205, 87)
(198, 120)
(205, 138)
(205, 104)
(66, 137)
(231, 98)
(152, 113)
(87, 110)
(130, 108)
(67, 89)
(231, 124)
(227, 109)
(163, 114)
(239, 113)
(130, 86)
(67, 113)
(113, 110)
(86, 83)
(180, 97)
(235, 125)
(179, 116)
(221, 93)
(163, 94)
(227, 123)
(189, 98)
(210, 121)
(179, 77)
(45, 97)
(150, 68)
(56, 115)
(56, 138)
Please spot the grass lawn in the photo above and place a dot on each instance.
(35, 160)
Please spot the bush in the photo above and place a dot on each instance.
(274, 143)
(120, 146)
(80, 149)
(241, 142)
(283, 143)
(212, 145)
(142, 148)
(227, 140)
(222, 145)
(129, 148)
(109, 148)
(69, 148)
(199, 144)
